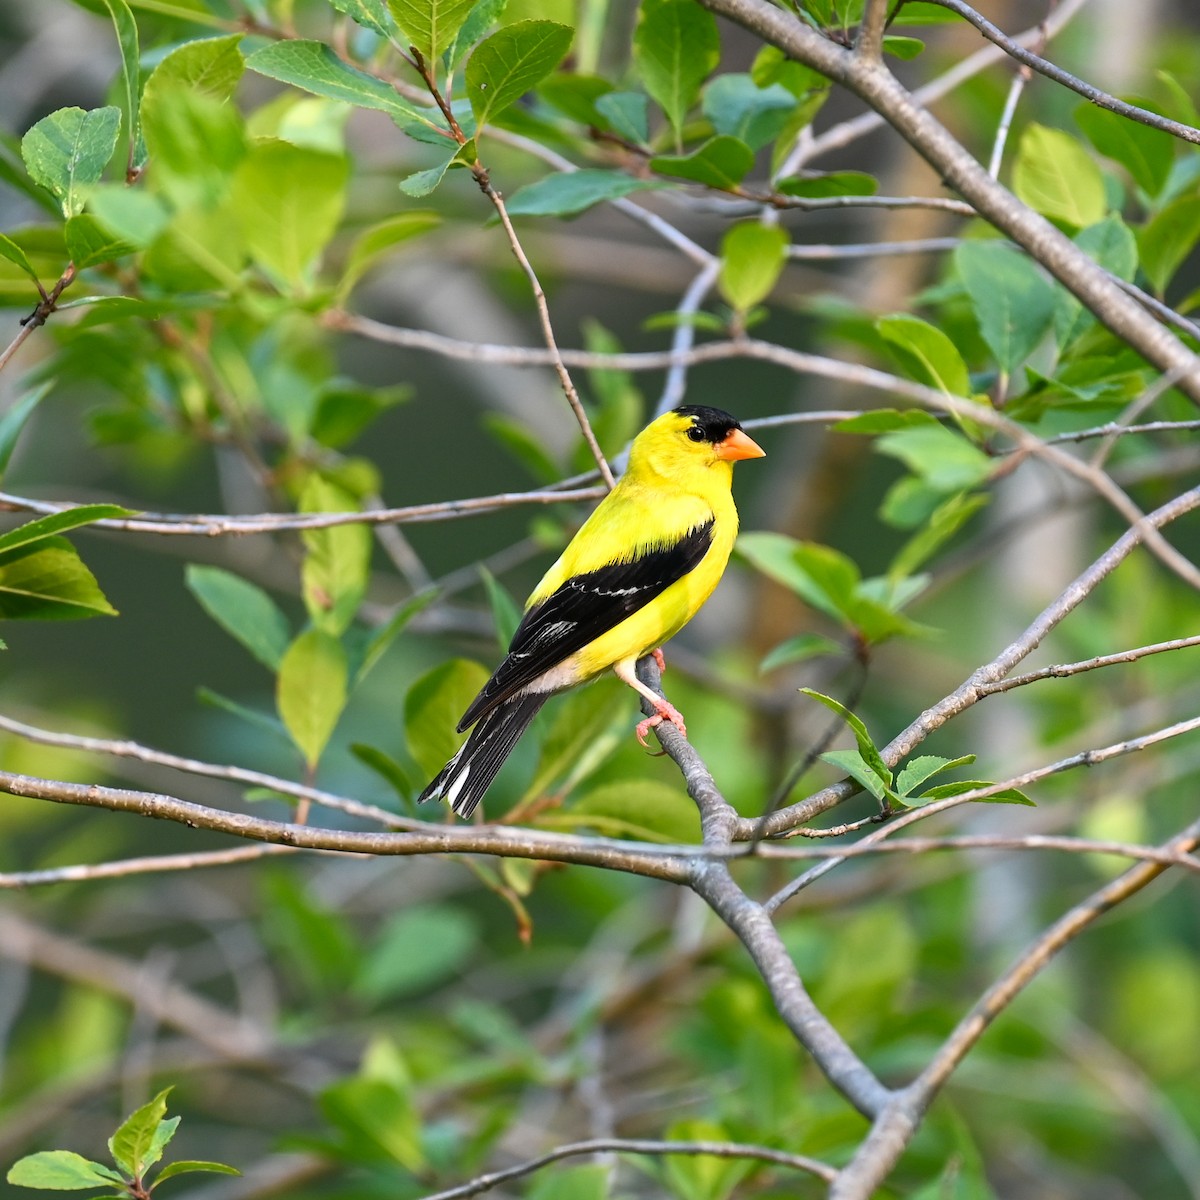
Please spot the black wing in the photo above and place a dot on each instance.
(582, 609)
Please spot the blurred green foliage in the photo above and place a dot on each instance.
(251, 177)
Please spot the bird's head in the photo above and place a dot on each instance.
(692, 436)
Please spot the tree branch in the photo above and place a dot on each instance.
(1101, 99)
(484, 1183)
(873, 83)
(968, 693)
(895, 1126)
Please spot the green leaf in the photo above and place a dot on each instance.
(862, 772)
(776, 555)
(131, 79)
(430, 25)
(67, 152)
(47, 581)
(885, 420)
(10, 250)
(576, 96)
(480, 19)
(311, 691)
(133, 1143)
(797, 649)
(926, 353)
(577, 741)
(902, 47)
(423, 182)
(1057, 177)
(260, 720)
(568, 193)
(721, 162)
(573, 1183)
(314, 939)
(1112, 244)
(642, 808)
(524, 445)
(1168, 238)
(314, 67)
(1007, 796)
(916, 771)
(1012, 300)
(417, 949)
(196, 141)
(432, 709)
(387, 633)
(13, 421)
(506, 613)
(189, 1166)
(60, 522)
(288, 201)
(702, 1176)
(162, 1135)
(945, 521)
(939, 456)
(89, 243)
(1146, 153)
(378, 1121)
(60, 1171)
(676, 47)
(376, 241)
(866, 746)
(211, 66)
(627, 113)
(835, 183)
(370, 14)
(130, 215)
(243, 610)
(513, 61)
(385, 766)
(343, 410)
(752, 257)
(736, 105)
(338, 559)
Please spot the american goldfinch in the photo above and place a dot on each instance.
(636, 572)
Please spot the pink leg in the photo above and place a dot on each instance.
(666, 712)
(658, 658)
(663, 709)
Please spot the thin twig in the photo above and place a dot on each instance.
(968, 693)
(832, 253)
(1015, 88)
(219, 525)
(684, 337)
(894, 1127)
(1101, 99)
(501, 841)
(36, 319)
(484, 181)
(483, 1183)
(1064, 670)
(146, 865)
(845, 132)
(123, 748)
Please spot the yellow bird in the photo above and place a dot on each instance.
(637, 571)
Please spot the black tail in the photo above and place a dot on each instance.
(465, 778)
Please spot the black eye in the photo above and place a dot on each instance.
(696, 434)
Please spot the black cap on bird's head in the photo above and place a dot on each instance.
(720, 430)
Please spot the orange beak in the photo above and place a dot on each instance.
(738, 445)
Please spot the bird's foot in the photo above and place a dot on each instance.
(657, 655)
(666, 712)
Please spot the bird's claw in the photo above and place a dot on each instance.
(657, 655)
(666, 712)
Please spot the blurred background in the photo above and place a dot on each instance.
(306, 1011)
